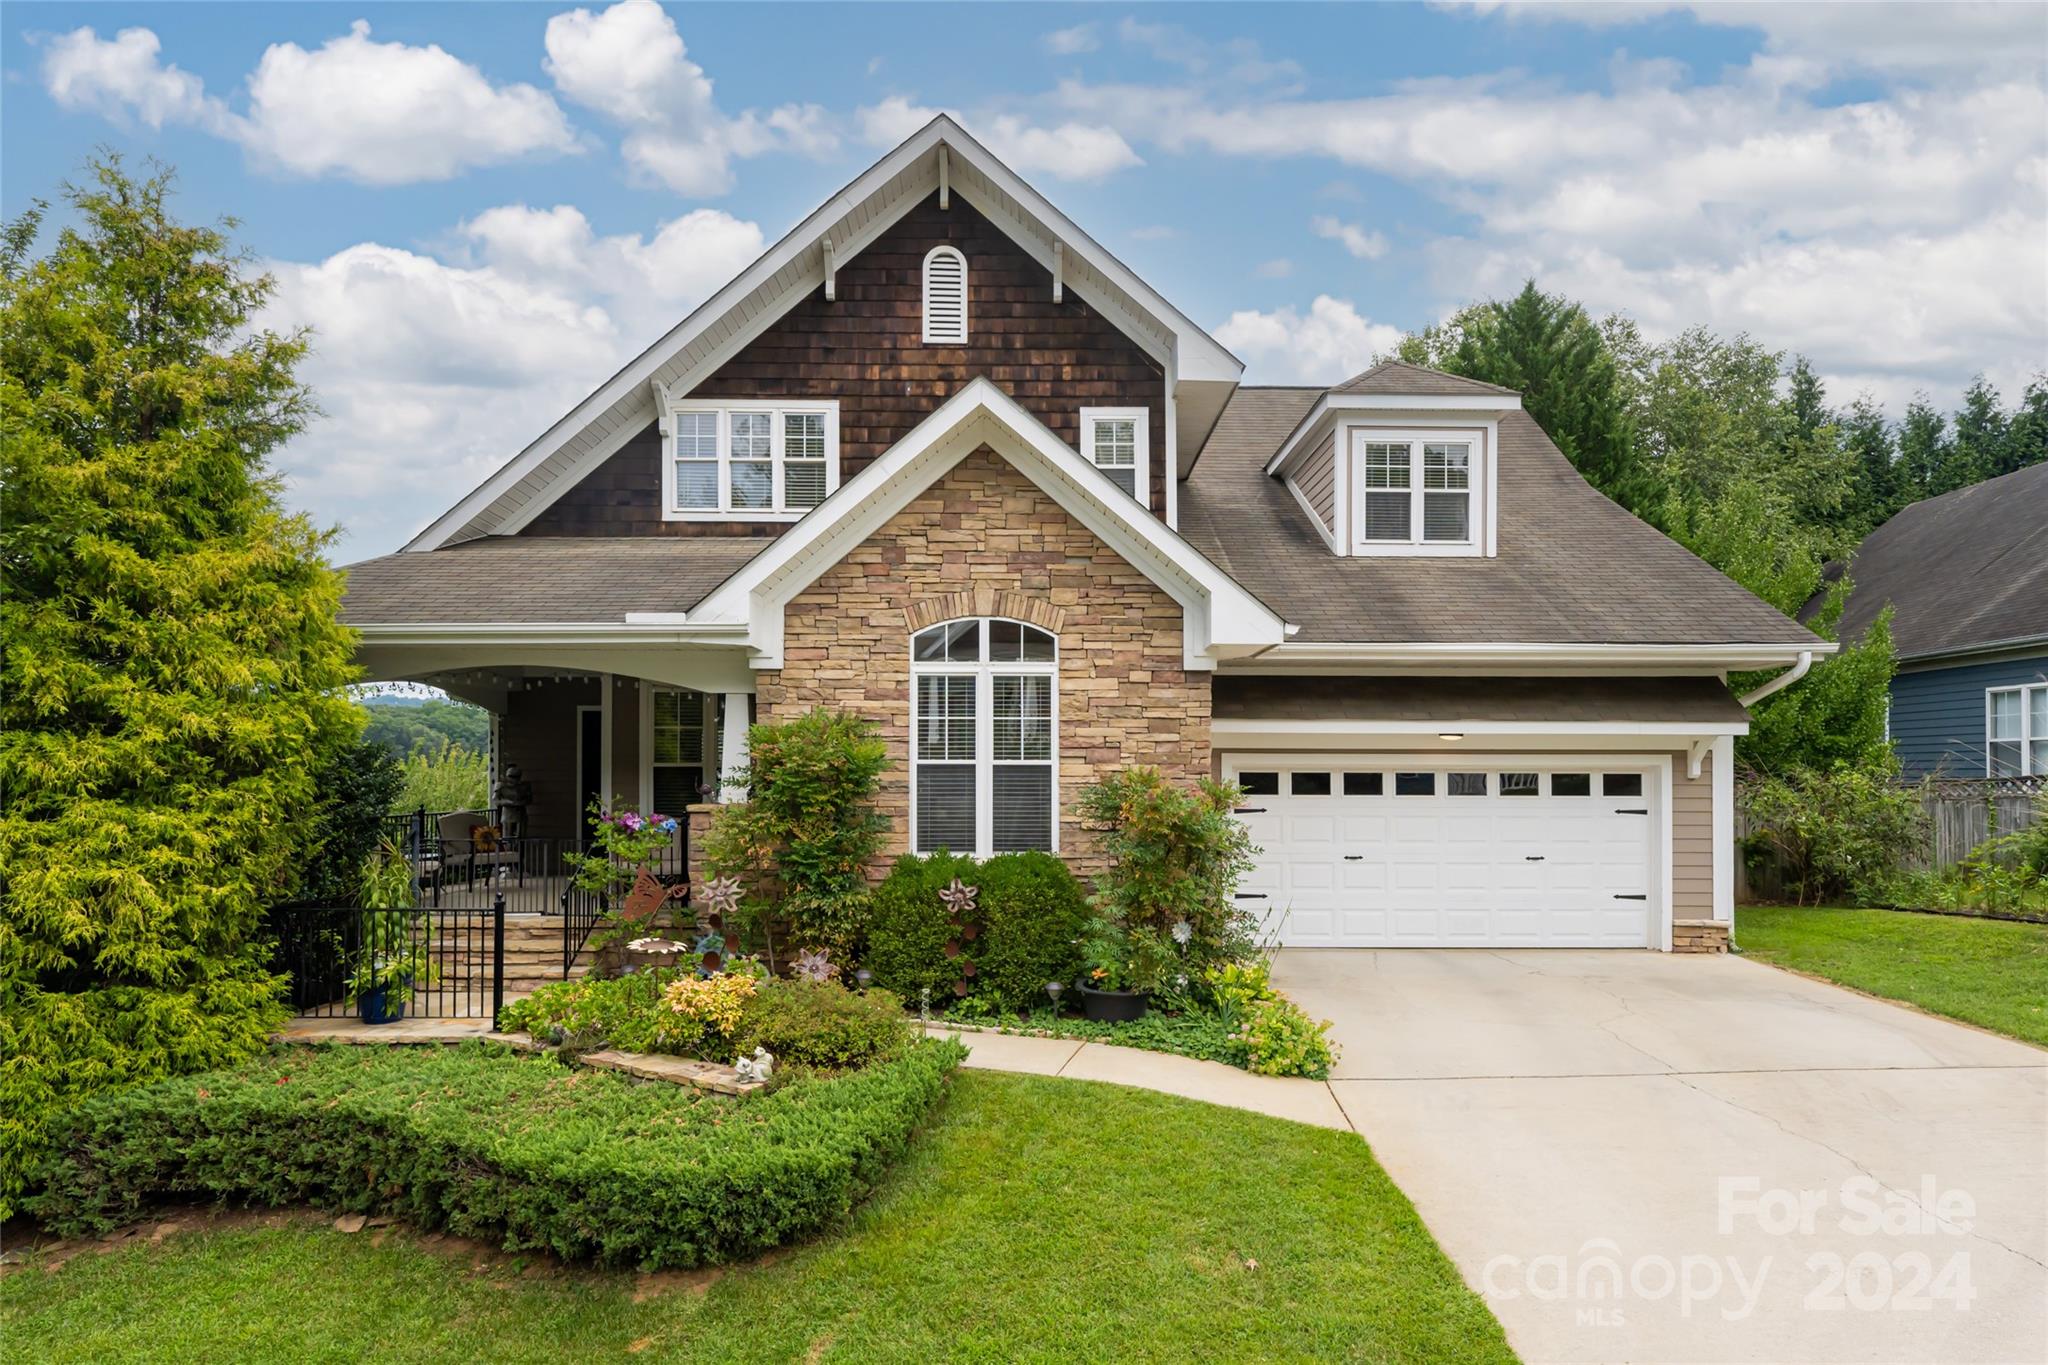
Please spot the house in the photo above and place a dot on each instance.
(1966, 577)
(941, 459)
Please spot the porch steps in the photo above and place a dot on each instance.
(533, 956)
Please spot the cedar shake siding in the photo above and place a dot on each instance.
(985, 541)
(866, 350)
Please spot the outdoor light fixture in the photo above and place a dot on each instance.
(1451, 735)
(862, 977)
(1055, 989)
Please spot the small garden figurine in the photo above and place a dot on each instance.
(758, 1067)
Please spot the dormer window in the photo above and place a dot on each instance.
(734, 459)
(1417, 492)
(1116, 441)
(945, 297)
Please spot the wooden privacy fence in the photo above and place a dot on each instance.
(1961, 814)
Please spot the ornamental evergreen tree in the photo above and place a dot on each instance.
(172, 662)
(1545, 347)
(1923, 451)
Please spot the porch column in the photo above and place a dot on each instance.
(732, 747)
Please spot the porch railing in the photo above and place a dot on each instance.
(450, 961)
(582, 910)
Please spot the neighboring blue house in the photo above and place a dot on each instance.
(1967, 573)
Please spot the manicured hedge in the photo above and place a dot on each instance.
(1031, 910)
(486, 1143)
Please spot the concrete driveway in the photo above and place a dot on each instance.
(1644, 1157)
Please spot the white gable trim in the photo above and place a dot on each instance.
(797, 264)
(1379, 404)
(1220, 619)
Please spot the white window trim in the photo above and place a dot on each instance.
(925, 296)
(1142, 444)
(778, 408)
(984, 730)
(2026, 736)
(1483, 483)
(707, 744)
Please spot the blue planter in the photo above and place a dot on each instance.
(386, 1004)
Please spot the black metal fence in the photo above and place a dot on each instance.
(343, 960)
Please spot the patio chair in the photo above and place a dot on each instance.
(470, 842)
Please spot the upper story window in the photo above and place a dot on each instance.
(2016, 731)
(741, 459)
(945, 297)
(982, 737)
(1417, 492)
(1116, 441)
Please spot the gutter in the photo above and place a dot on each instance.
(1779, 683)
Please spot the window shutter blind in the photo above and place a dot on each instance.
(1023, 807)
(1446, 516)
(945, 297)
(945, 807)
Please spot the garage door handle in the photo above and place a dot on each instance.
(1249, 810)
(1354, 857)
(1632, 812)
(1251, 895)
(1631, 898)
(1532, 858)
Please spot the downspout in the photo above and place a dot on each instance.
(1779, 683)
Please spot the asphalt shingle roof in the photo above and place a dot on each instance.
(1573, 567)
(543, 579)
(1399, 377)
(1966, 570)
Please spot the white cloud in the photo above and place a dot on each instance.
(1069, 42)
(435, 369)
(1366, 246)
(629, 63)
(1332, 343)
(121, 78)
(379, 113)
(1068, 151)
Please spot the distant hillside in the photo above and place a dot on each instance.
(402, 724)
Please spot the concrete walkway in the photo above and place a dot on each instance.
(1282, 1097)
(1640, 1156)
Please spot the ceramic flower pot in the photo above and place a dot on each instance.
(386, 1004)
(1112, 1007)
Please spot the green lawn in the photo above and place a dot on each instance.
(1993, 973)
(1035, 1220)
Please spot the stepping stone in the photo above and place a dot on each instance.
(674, 1070)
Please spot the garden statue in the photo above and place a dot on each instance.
(512, 796)
(758, 1067)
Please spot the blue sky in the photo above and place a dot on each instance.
(485, 208)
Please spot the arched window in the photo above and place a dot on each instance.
(945, 297)
(983, 756)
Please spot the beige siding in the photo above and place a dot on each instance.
(626, 741)
(1692, 840)
(1317, 479)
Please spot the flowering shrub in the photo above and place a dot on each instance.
(714, 1002)
(1269, 1034)
(622, 841)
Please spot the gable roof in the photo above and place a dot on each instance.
(1965, 571)
(1398, 376)
(940, 156)
(1573, 567)
(1221, 618)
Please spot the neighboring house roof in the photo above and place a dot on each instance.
(543, 579)
(1573, 569)
(939, 157)
(1449, 702)
(1965, 572)
(1399, 377)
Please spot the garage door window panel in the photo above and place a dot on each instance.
(1259, 784)
(1571, 784)
(1309, 784)
(1365, 784)
(1621, 784)
(1415, 784)
(1466, 784)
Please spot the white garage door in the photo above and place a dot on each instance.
(1358, 856)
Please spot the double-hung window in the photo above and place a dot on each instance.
(1116, 441)
(1414, 492)
(982, 770)
(2016, 731)
(676, 749)
(741, 459)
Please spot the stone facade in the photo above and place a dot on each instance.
(1699, 936)
(1124, 697)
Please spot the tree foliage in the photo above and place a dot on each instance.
(404, 726)
(172, 661)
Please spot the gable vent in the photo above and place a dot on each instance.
(945, 297)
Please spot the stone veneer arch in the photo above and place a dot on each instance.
(985, 601)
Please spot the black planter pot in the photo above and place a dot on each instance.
(1112, 1007)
